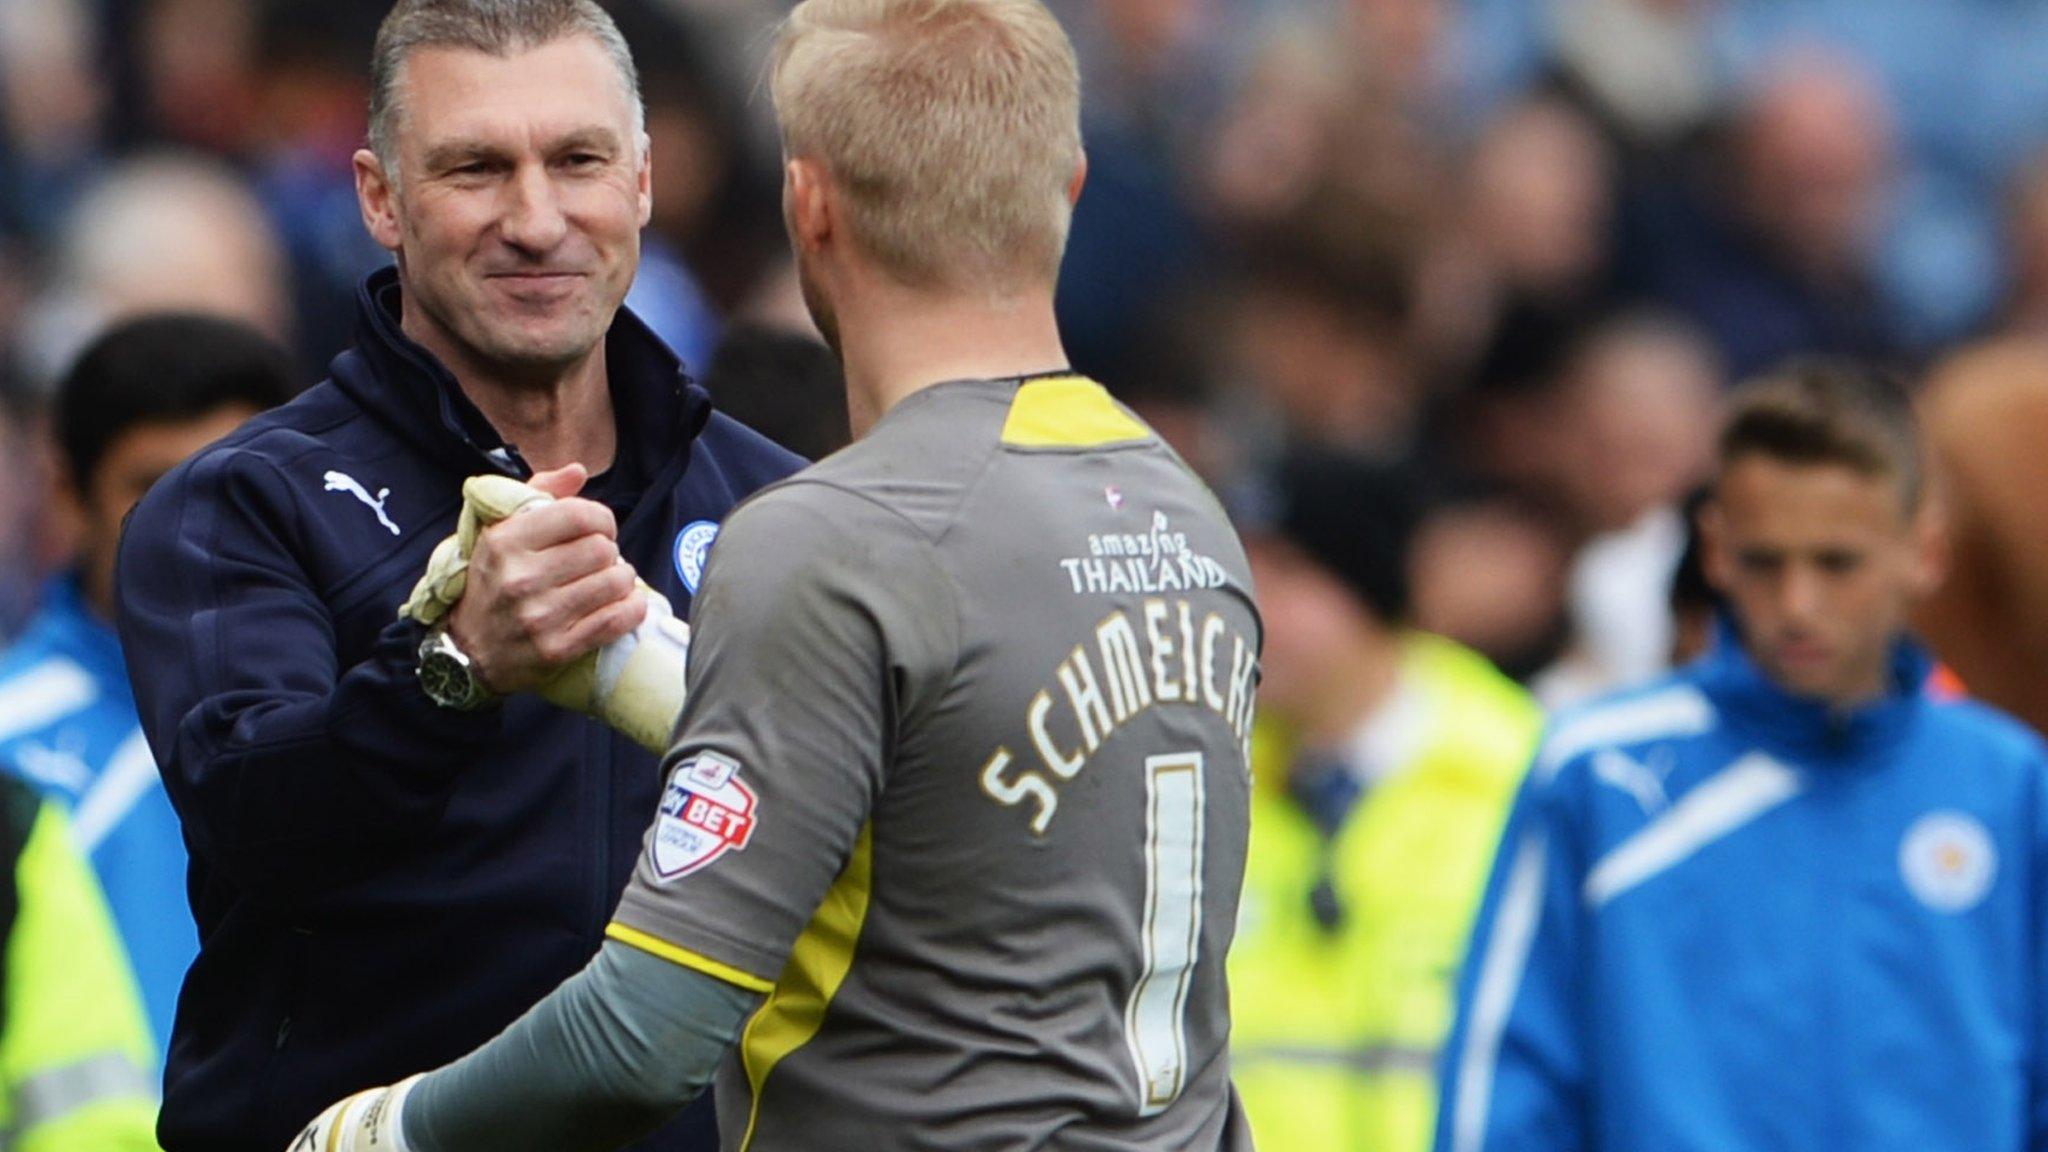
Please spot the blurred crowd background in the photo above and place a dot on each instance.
(1516, 249)
(1443, 296)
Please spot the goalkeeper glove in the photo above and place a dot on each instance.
(369, 1121)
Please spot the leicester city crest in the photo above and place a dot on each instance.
(1949, 861)
(693, 548)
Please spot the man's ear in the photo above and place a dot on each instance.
(1080, 178)
(378, 200)
(646, 180)
(809, 205)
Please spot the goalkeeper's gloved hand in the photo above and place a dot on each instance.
(485, 501)
(369, 1121)
(634, 684)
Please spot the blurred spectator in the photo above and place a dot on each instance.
(162, 232)
(691, 150)
(1385, 759)
(73, 1045)
(1401, 48)
(1604, 426)
(672, 303)
(310, 124)
(1641, 395)
(786, 387)
(196, 68)
(1154, 85)
(776, 302)
(1638, 401)
(141, 398)
(1780, 260)
(1153, 64)
(1541, 203)
(1985, 409)
(1986, 416)
(1271, 140)
(24, 490)
(1644, 70)
(1491, 572)
(1969, 82)
(1321, 323)
(1538, 208)
(52, 105)
(1173, 383)
(689, 140)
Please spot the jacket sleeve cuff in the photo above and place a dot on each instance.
(380, 706)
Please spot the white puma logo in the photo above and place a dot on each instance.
(343, 482)
(1634, 778)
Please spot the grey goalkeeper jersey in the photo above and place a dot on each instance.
(962, 786)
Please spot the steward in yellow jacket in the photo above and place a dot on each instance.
(73, 1041)
(1386, 761)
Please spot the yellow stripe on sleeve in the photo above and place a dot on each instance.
(817, 966)
(1069, 412)
(656, 946)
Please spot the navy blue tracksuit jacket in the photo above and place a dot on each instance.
(381, 884)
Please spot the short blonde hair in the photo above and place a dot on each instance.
(952, 126)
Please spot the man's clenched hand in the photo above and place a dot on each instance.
(534, 591)
(544, 587)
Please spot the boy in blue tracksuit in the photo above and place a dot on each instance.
(143, 397)
(1782, 899)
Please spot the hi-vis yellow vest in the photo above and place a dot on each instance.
(1335, 1031)
(73, 1042)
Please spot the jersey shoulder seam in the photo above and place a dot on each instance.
(929, 544)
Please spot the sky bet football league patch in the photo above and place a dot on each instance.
(706, 811)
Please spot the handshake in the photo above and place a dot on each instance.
(531, 594)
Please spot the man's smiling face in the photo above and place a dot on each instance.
(521, 189)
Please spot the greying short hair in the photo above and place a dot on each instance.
(498, 28)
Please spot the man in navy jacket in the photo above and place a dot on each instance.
(382, 881)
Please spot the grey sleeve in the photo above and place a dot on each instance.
(607, 1057)
(825, 620)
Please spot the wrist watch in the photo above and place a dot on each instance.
(448, 675)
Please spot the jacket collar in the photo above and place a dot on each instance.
(1750, 701)
(658, 409)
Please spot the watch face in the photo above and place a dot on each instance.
(446, 679)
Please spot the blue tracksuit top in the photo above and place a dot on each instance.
(380, 884)
(67, 725)
(1726, 919)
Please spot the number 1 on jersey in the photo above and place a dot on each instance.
(1154, 1025)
